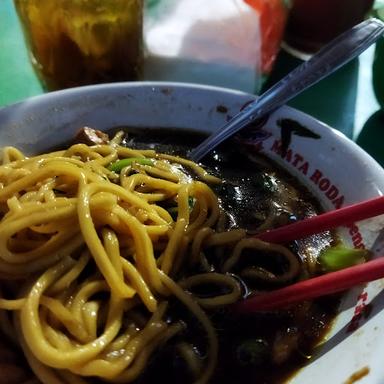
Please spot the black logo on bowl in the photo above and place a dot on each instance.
(291, 127)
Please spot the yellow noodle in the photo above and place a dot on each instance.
(160, 173)
(68, 278)
(259, 245)
(65, 316)
(11, 154)
(139, 285)
(140, 363)
(99, 254)
(90, 314)
(173, 245)
(11, 305)
(203, 318)
(189, 355)
(201, 172)
(222, 238)
(197, 242)
(218, 279)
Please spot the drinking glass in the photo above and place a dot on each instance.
(79, 42)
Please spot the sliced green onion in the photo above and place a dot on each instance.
(117, 166)
(173, 211)
(340, 257)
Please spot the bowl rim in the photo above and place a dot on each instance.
(47, 97)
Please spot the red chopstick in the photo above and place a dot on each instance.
(329, 220)
(315, 287)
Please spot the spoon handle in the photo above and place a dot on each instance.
(334, 55)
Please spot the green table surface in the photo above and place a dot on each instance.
(345, 100)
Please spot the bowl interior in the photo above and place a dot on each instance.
(332, 167)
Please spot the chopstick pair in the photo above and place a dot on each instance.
(325, 221)
(329, 283)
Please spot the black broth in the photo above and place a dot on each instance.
(265, 348)
(284, 339)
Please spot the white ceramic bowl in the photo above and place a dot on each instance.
(336, 170)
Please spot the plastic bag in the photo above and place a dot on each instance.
(229, 43)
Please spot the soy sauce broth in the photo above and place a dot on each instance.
(265, 348)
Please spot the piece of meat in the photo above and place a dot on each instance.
(90, 136)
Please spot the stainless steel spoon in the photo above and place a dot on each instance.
(334, 55)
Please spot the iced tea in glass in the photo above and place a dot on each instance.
(79, 42)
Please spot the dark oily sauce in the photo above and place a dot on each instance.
(264, 348)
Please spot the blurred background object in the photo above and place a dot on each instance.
(335, 100)
(313, 23)
(18, 80)
(345, 101)
(371, 136)
(78, 42)
(378, 71)
(378, 62)
(230, 43)
(273, 18)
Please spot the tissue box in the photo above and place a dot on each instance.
(229, 43)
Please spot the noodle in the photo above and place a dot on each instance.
(101, 254)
